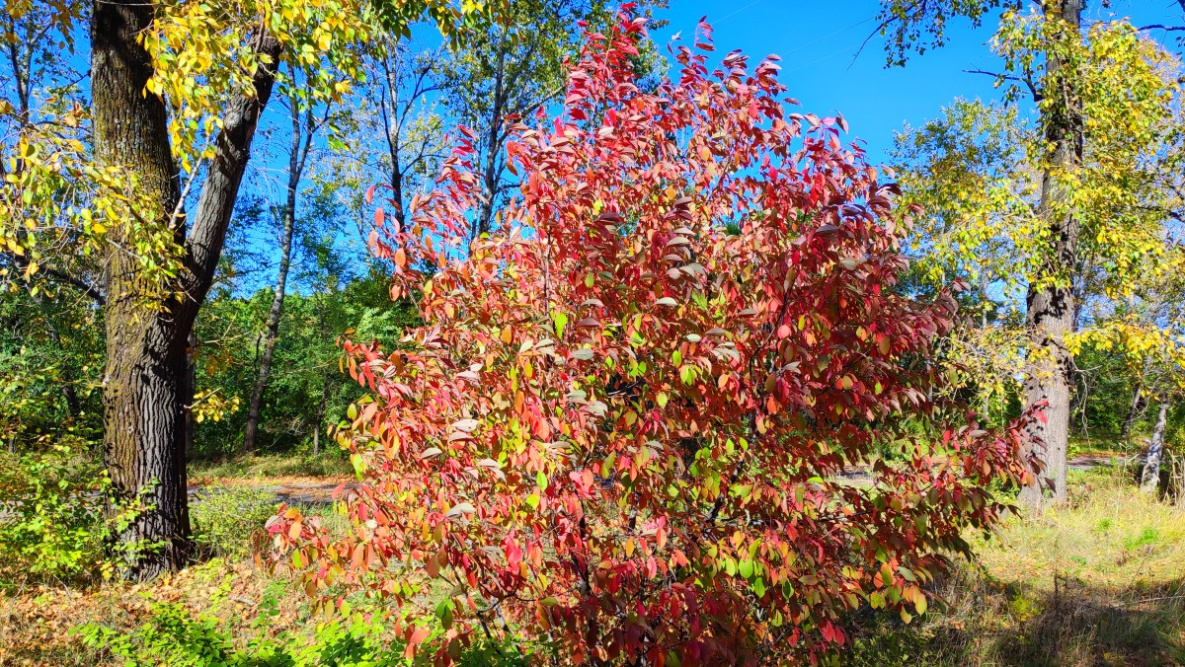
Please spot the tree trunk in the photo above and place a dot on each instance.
(985, 403)
(1150, 479)
(1051, 308)
(1133, 412)
(322, 406)
(145, 389)
(491, 174)
(191, 347)
(272, 334)
(301, 141)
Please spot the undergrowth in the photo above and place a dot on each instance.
(1097, 582)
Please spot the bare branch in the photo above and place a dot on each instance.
(1008, 77)
(1160, 26)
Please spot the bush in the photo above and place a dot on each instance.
(173, 636)
(52, 523)
(623, 425)
(226, 517)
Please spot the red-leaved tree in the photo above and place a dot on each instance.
(622, 425)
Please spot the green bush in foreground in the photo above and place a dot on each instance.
(173, 636)
(52, 521)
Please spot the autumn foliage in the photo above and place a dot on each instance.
(620, 429)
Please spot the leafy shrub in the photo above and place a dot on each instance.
(621, 425)
(52, 521)
(171, 635)
(226, 517)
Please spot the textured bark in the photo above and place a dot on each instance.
(302, 139)
(146, 391)
(1051, 307)
(143, 389)
(1150, 479)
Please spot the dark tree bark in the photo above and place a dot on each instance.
(146, 392)
(143, 388)
(1150, 479)
(1051, 302)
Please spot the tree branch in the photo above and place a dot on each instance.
(61, 277)
(1160, 26)
(881, 26)
(232, 150)
(1008, 77)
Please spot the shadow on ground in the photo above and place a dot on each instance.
(983, 623)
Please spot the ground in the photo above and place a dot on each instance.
(1100, 581)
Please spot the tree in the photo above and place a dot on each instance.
(621, 423)
(1147, 331)
(146, 191)
(146, 395)
(308, 119)
(1092, 175)
(398, 91)
(511, 71)
(968, 172)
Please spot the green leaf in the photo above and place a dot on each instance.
(746, 569)
(561, 320)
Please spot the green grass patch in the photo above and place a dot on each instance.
(272, 465)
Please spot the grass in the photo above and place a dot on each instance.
(1107, 446)
(270, 466)
(1100, 581)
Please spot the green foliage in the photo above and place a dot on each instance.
(50, 358)
(174, 636)
(1148, 536)
(52, 522)
(307, 390)
(226, 518)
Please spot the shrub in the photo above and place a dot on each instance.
(225, 519)
(52, 523)
(172, 635)
(621, 424)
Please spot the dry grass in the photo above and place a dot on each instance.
(35, 626)
(1100, 581)
(36, 622)
(272, 468)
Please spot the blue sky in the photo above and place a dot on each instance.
(817, 42)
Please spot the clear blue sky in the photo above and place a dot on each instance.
(817, 41)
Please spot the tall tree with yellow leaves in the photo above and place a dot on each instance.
(177, 90)
(1075, 212)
